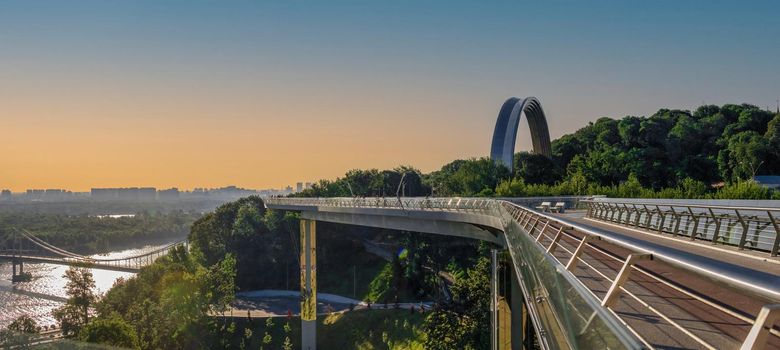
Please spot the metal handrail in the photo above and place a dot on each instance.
(760, 283)
(755, 228)
(759, 325)
(704, 206)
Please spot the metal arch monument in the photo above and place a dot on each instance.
(505, 133)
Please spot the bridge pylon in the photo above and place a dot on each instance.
(511, 327)
(308, 284)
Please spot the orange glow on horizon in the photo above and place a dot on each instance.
(83, 139)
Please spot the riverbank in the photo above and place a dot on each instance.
(46, 290)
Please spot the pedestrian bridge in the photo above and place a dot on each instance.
(26, 247)
(591, 279)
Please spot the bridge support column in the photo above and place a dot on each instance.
(15, 263)
(308, 285)
(494, 299)
(520, 328)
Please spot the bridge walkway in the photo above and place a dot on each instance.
(723, 330)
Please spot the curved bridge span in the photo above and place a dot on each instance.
(572, 285)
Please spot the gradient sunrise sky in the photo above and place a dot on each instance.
(264, 94)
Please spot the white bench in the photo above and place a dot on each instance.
(559, 207)
(545, 206)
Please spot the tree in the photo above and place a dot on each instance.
(80, 290)
(24, 324)
(744, 156)
(168, 303)
(242, 228)
(18, 334)
(772, 163)
(464, 323)
(113, 331)
(473, 177)
(536, 169)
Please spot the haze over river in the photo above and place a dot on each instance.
(46, 292)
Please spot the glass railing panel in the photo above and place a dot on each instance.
(569, 315)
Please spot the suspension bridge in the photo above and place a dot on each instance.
(25, 247)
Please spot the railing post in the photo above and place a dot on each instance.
(526, 219)
(695, 223)
(716, 234)
(531, 217)
(622, 277)
(648, 217)
(743, 238)
(637, 214)
(661, 220)
(551, 248)
(628, 214)
(776, 244)
(574, 257)
(678, 218)
(531, 231)
(765, 320)
(541, 232)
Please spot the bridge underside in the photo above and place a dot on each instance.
(439, 227)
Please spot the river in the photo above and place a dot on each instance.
(46, 291)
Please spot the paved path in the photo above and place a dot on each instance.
(277, 303)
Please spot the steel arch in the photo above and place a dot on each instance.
(505, 133)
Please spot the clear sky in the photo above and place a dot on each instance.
(263, 94)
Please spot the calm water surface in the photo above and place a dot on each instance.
(46, 292)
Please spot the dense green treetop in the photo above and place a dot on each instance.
(728, 143)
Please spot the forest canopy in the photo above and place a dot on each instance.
(672, 153)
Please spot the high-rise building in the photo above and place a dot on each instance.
(131, 193)
(5, 194)
(169, 194)
(35, 194)
(299, 187)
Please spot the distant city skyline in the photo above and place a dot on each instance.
(43, 190)
(100, 93)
